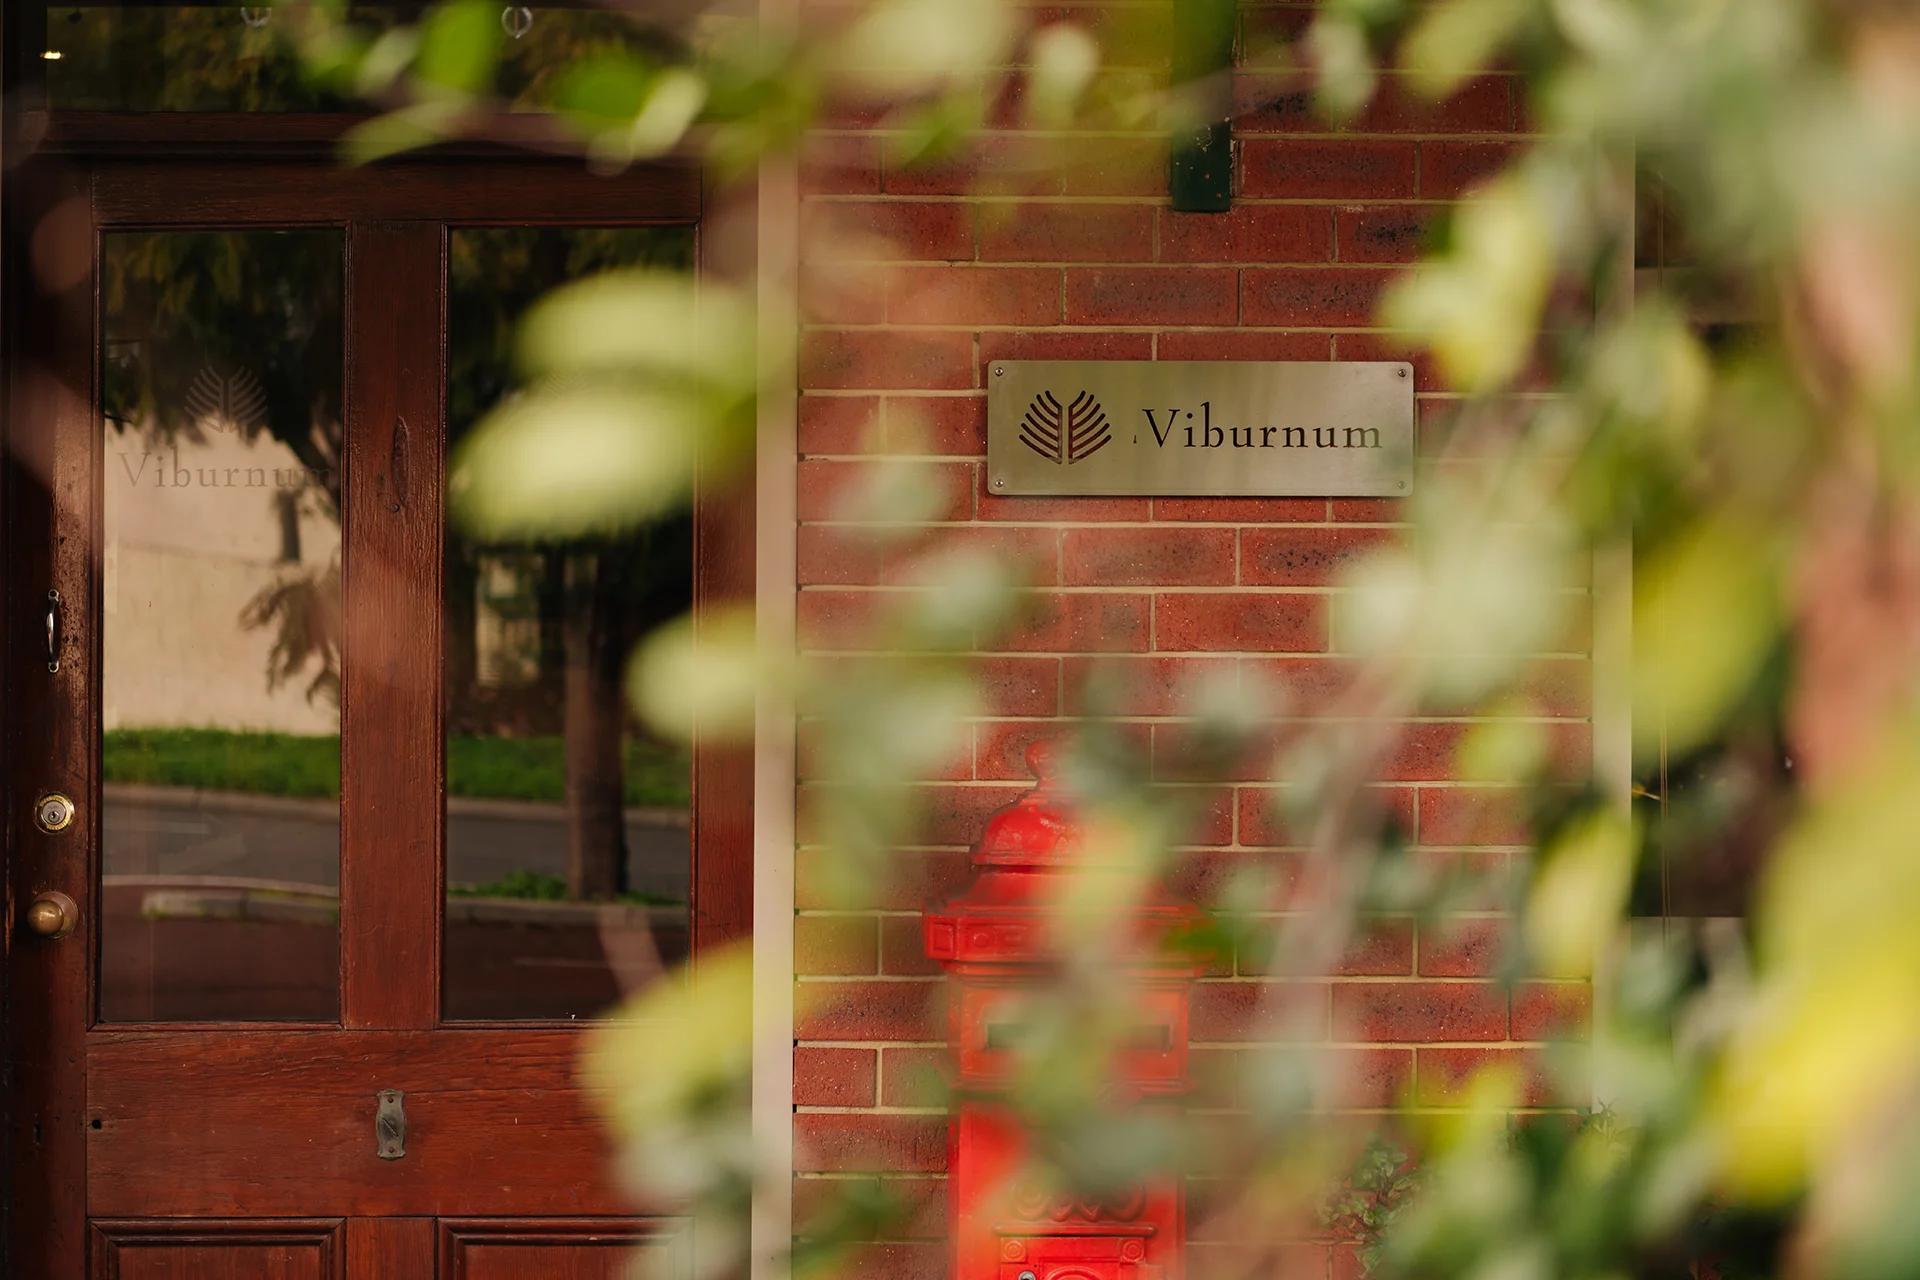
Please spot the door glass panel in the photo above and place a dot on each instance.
(568, 861)
(226, 57)
(220, 694)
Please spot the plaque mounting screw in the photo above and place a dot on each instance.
(999, 370)
(1400, 372)
(999, 482)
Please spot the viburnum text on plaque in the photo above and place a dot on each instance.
(1200, 428)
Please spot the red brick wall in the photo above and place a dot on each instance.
(1082, 258)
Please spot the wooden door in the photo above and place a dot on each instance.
(228, 551)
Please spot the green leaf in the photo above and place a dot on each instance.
(460, 45)
(1705, 610)
(418, 125)
(1065, 60)
(570, 461)
(1480, 306)
(673, 103)
(1579, 892)
(899, 48)
(1456, 39)
(603, 89)
(1604, 28)
(674, 1047)
(928, 132)
(685, 680)
(1346, 78)
(653, 324)
(386, 59)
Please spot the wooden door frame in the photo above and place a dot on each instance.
(47, 1003)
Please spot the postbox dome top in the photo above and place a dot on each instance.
(1040, 828)
(1004, 921)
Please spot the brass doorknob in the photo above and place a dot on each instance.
(52, 915)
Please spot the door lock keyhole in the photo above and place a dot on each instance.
(53, 812)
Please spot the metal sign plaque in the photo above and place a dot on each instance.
(1200, 428)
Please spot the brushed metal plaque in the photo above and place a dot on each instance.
(1200, 428)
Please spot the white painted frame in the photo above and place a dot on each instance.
(776, 594)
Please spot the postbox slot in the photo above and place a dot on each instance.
(1079, 1255)
(1151, 1037)
(1145, 1037)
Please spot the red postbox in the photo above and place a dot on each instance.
(993, 939)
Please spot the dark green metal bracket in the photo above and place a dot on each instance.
(1200, 164)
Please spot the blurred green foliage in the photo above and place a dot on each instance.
(1735, 418)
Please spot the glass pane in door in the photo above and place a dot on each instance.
(568, 859)
(228, 57)
(220, 690)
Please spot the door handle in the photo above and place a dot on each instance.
(52, 915)
(53, 632)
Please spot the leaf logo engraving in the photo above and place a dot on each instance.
(1065, 435)
(225, 401)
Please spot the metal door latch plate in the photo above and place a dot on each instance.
(390, 1126)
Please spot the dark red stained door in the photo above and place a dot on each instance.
(196, 1070)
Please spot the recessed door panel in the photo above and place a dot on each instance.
(496, 1122)
(230, 1250)
(564, 1249)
